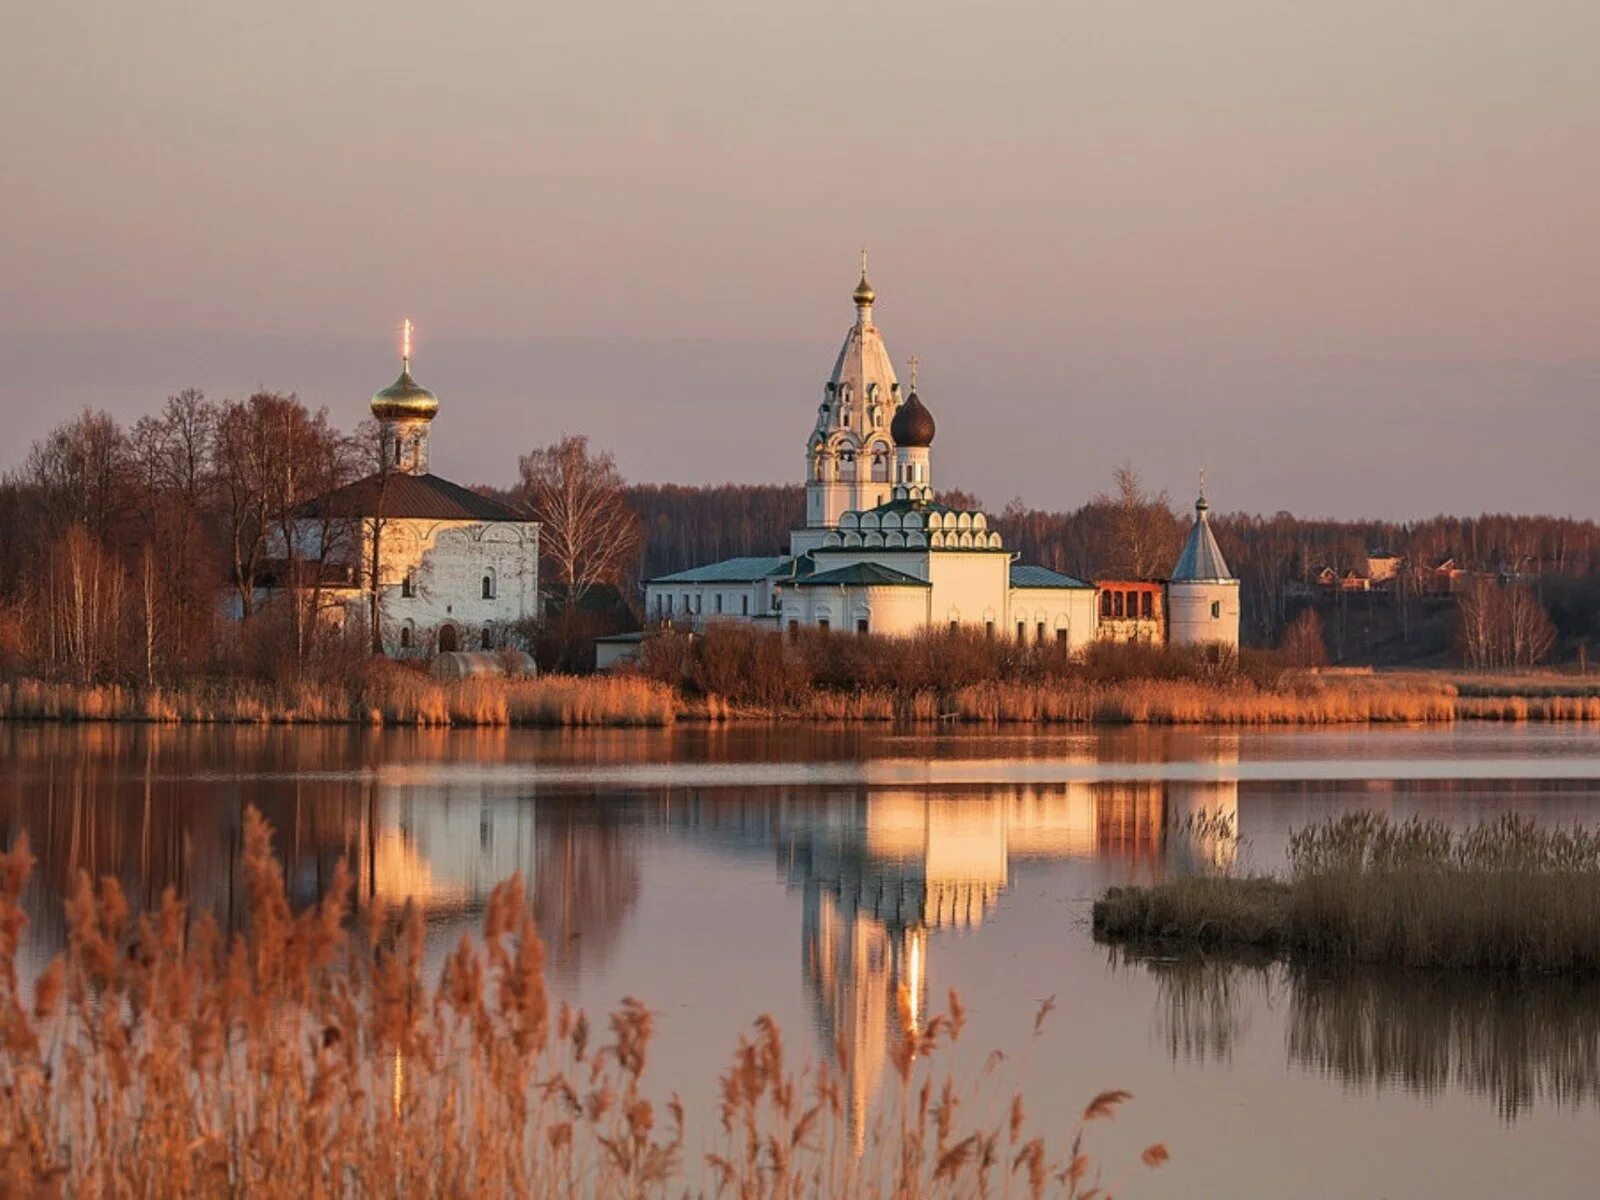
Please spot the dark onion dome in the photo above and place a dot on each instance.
(405, 399)
(912, 424)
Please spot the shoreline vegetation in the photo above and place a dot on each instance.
(318, 1054)
(734, 674)
(1504, 896)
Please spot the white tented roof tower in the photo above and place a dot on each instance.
(1202, 594)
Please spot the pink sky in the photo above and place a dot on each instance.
(1345, 256)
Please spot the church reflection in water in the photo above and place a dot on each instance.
(881, 873)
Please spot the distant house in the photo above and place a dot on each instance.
(1383, 566)
(1443, 577)
(1330, 580)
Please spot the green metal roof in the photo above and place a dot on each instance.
(731, 570)
(862, 574)
(1027, 575)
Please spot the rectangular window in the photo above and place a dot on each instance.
(668, 598)
(1061, 638)
(1039, 630)
(1147, 606)
(955, 624)
(1216, 609)
(408, 587)
(794, 628)
(861, 624)
(822, 624)
(1105, 604)
(988, 630)
(699, 601)
(744, 606)
(719, 604)
(1116, 604)
(1022, 631)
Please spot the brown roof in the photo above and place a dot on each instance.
(403, 495)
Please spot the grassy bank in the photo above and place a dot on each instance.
(740, 674)
(384, 694)
(1502, 896)
(312, 1055)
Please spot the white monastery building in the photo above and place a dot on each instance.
(454, 570)
(880, 554)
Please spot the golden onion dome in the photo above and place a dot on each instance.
(864, 294)
(405, 399)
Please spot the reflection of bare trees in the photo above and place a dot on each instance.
(1518, 1041)
(585, 882)
(1521, 1041)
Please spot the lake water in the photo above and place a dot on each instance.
(722, 873)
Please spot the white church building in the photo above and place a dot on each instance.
(880, 554)
(455, 570)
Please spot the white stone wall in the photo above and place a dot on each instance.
(1068, 612)
(447, 562)
(695, 604)
(968, 588)
(1203, 613)
(890, 611)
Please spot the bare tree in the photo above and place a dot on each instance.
(1303, 644)
(1141, 530)
(588, 533)
(79, 469)
(1503, 627)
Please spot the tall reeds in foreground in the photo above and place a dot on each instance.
(1503, 895)
(307, 1055)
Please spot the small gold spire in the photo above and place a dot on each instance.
(864, 295)
(405, 343)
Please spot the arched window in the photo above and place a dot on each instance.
(405, 637)
(488, 585)
(449, 640)
(847, 465)
(408, 585)
(488, 639)
(880, 463)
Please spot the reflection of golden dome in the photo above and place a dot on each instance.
(405, 399)
(864, 294)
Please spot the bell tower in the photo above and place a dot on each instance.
(850, 453)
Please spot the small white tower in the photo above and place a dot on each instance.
(404, 410)
(850, 454)
(1202, 596)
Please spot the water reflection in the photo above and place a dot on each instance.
(884, 884)
(1518, 1042)
(879, 871)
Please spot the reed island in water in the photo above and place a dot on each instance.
(1505, 895)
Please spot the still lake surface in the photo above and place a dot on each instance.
(805, 872)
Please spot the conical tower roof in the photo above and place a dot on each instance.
(1201, 560)
(863, 359)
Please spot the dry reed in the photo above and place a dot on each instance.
(306, 1055)
(1504, 895)
(393, 696)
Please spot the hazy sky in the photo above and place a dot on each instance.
(1344, 255)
